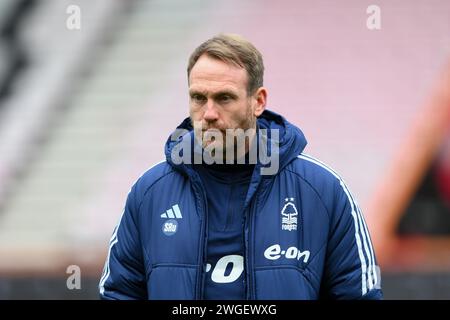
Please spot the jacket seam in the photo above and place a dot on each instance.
(133, 218)
(315, 191)
(282, 266)
(138, 213)
(173, 265)
(300, 270)
(312, 259)
(150, 186)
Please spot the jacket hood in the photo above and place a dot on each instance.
(291, 143)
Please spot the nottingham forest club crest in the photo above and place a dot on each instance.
(289, 215)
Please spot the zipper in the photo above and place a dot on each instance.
(248, 229)
(201, 271)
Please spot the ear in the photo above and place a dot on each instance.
(260, 98)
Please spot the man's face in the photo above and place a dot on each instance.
(219, 100)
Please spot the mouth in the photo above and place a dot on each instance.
(213, 133)
(213, 130)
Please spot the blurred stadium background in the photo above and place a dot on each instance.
(84, 112)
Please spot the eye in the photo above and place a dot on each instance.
(224, 98)
(198, 98)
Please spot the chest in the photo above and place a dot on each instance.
(287, 224)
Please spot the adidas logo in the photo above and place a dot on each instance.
(173, 213)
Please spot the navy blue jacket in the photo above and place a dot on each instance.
(305, 235)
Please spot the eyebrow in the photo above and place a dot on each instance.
(215, 95)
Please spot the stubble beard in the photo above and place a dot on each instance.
(222, 143)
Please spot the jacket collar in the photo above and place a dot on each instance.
(291, 142)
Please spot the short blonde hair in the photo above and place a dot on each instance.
(232, 48)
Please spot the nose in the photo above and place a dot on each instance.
(211, 114)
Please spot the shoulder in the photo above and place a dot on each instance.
(161, 172)
(326, 182)
(315, 172)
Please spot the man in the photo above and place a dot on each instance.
(237, 211)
